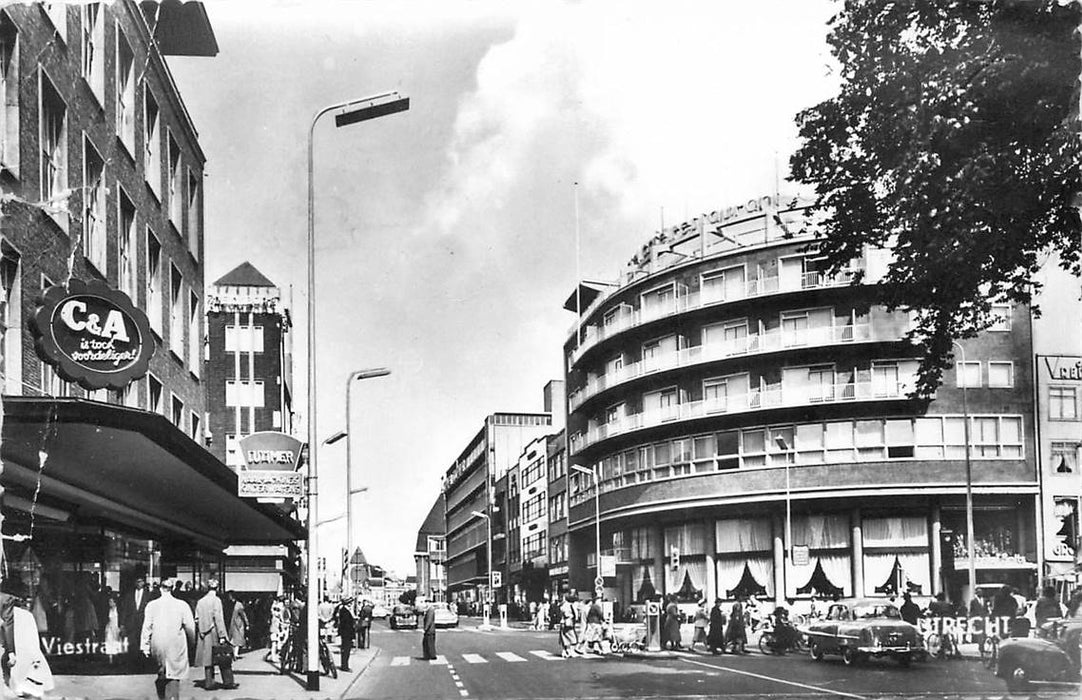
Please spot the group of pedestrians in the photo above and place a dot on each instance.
(721, 633)
(583, 628)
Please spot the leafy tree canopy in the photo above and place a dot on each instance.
(408, 597)
(954, 141)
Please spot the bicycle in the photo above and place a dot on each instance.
(989, 649)
(942, 645)
(292, 656)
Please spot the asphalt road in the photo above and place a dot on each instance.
(526, 664)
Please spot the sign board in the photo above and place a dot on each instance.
(599, 582)
(92, 334)
(801, 555)
(653, 608)
(268, 484)
(497, 579)
(608, 565)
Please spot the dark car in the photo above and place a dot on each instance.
(403, 617)
(863, 628)
(1052, 657)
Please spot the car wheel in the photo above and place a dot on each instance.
(850, 656)
(816, 651)
(1017, 680)
(766, 643)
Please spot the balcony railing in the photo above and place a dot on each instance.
(777, 396)
(770, 341)
(629, 318)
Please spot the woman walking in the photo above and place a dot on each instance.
(671, 635)
(238, 623)
(736, 636)
(699, 625)
(568, 638)
(715, 639)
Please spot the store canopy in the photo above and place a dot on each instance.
(132, 467)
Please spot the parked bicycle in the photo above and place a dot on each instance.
(942, 645)
(292, 656)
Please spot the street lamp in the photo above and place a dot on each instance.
(351, 112)
(488, 550)
(970, 549)
(599, 588)
(788, 561)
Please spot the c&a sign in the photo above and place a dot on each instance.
(92, 334)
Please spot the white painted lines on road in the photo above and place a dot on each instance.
(816, 688)
(509, 656)
(440, 660)
(546, 655)
(474, 659)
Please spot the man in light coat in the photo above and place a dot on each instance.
(210, 630)
(168, 629)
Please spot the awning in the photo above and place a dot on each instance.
(132, 467)
(585, 293)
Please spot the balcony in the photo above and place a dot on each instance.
(771, 341)
(770, 397)
(594, 334)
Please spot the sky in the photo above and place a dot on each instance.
(446, 235)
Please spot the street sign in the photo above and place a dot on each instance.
(608, 565)
(800, 555)
(497, 579)
(599, 581)
(653, 607)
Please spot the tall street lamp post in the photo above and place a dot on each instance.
(356, 375)
(351, 112)
(599, 587)
(489, 598)
(788, 562)
(970, 548)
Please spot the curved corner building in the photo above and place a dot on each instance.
(749, 420)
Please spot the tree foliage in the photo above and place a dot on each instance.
(408, 597)
(954, 141)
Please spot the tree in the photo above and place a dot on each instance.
(408, 597)
(954, 141)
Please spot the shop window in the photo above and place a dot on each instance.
(967, 374)
(125, 91)
(1064, 456)
(53, 158)
(1062, 403)
(1001, 375)
(9, 92)
(126, 251)
(93, 44)
(95, 237)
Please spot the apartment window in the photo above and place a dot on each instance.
(244, 393)
(177, 318)
(195, 213)
(176, 182)
(57, 12)
(558, 507)
(233, 457)
(11, 320)
(613, 414)
(794, 328)
(716, 395)
(1064, 456)
(196, 427)
(1001, 317)
(195, 338)
(177, 412)
(126, 274)
(125, 91)
(1001, 375)
(95, 238)
(152, 146)
(1062, 403)
(53, 131)
(155, 395)
(967, 374)
(155, 300)
(93, 41)
(244, 338)
(9, 92)
(724, 285)
(534, 508)
(885, 379)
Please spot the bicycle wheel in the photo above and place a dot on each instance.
(766, 643)
(327, 660)
(284, 655)
(992, 655)
(934, 644)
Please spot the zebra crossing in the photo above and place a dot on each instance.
(492, 657)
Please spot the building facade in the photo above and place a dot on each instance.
(430, 553)
(556, 464)
(102, 177)
(751, 423)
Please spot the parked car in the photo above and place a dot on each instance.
(445, 615)
(862, 628)
(1052, 657)
(380, 611)
(403, 617)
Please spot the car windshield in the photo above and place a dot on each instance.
(867, 610)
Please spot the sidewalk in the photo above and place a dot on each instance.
(257, 678)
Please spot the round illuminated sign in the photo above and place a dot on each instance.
(92, 334)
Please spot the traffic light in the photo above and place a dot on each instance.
(946, 548)
(674, 557)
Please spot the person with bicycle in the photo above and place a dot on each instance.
(785, 633)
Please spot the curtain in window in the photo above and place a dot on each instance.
(917, 568)
(877, 570)
(690, 574)
(896, 532)
(822, 531)
(839, 570)
(639, 539)
(744, 535)
(688, 538)
(762, 570)
(642, 583)
(729, 572)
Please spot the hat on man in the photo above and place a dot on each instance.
(212, 584)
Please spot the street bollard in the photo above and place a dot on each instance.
(653, 625)
(503, 615)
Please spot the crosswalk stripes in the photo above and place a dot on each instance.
(440, 660)
(509, 656)
(474, 659)
(546, 655)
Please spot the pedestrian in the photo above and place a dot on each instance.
(131, 608)
(237, 615)
(715, 638)
(581, 610)
(168, 630)
(364, 624)
(540, 621)
(1047, 607)
(909, 611)
(211, 631)
(736, 636)
(595, 618)
(428, 639)
(347, 628)
(672, 623)
(699, 624)
(112, 630)
(279, 629)
(568, 640)
(325, 614)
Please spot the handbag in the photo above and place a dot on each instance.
(222, 655)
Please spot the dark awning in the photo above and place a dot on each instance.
(134, 467)
(585, 293)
